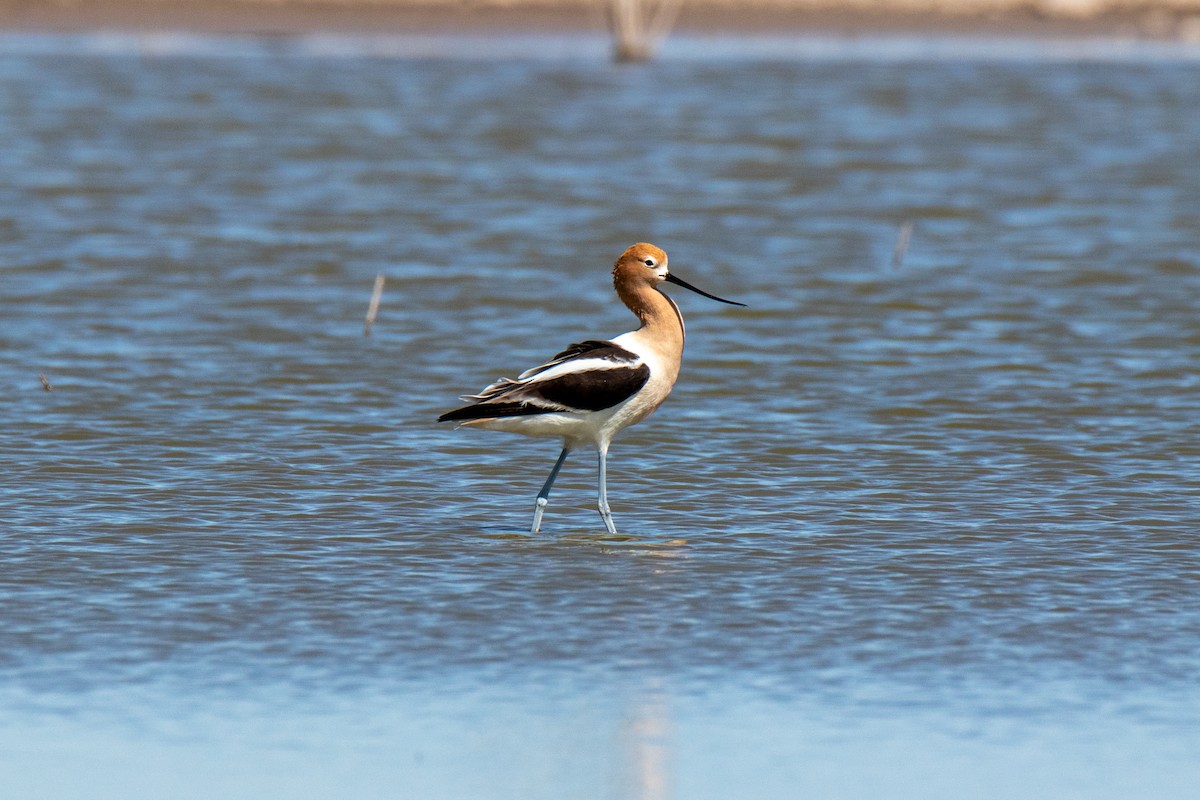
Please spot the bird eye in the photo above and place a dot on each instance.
(649, 262)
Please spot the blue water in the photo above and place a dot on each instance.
(918, 524)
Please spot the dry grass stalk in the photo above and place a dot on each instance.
(373, 307)
(901, 244)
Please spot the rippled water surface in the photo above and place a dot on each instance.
(917, 524)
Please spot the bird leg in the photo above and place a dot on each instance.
(544, 495)
(602, 482)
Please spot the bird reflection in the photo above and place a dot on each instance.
(646, 745)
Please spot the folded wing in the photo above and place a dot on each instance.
(587, 376)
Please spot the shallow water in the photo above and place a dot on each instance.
(926, 527)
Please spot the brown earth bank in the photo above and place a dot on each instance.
(1164, 19)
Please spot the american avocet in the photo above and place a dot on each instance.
(593, 389)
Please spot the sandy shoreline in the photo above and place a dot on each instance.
(1167, 19)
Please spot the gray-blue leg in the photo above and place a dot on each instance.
(605, 511)
(544, 495)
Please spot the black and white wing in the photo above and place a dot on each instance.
(587, 376)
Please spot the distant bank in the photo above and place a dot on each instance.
(1168, 19)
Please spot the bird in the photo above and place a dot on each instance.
(594, 389)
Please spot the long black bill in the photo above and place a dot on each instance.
(681, 282)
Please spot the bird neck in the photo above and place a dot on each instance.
(660, 317)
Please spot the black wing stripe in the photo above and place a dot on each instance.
(594, 390)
